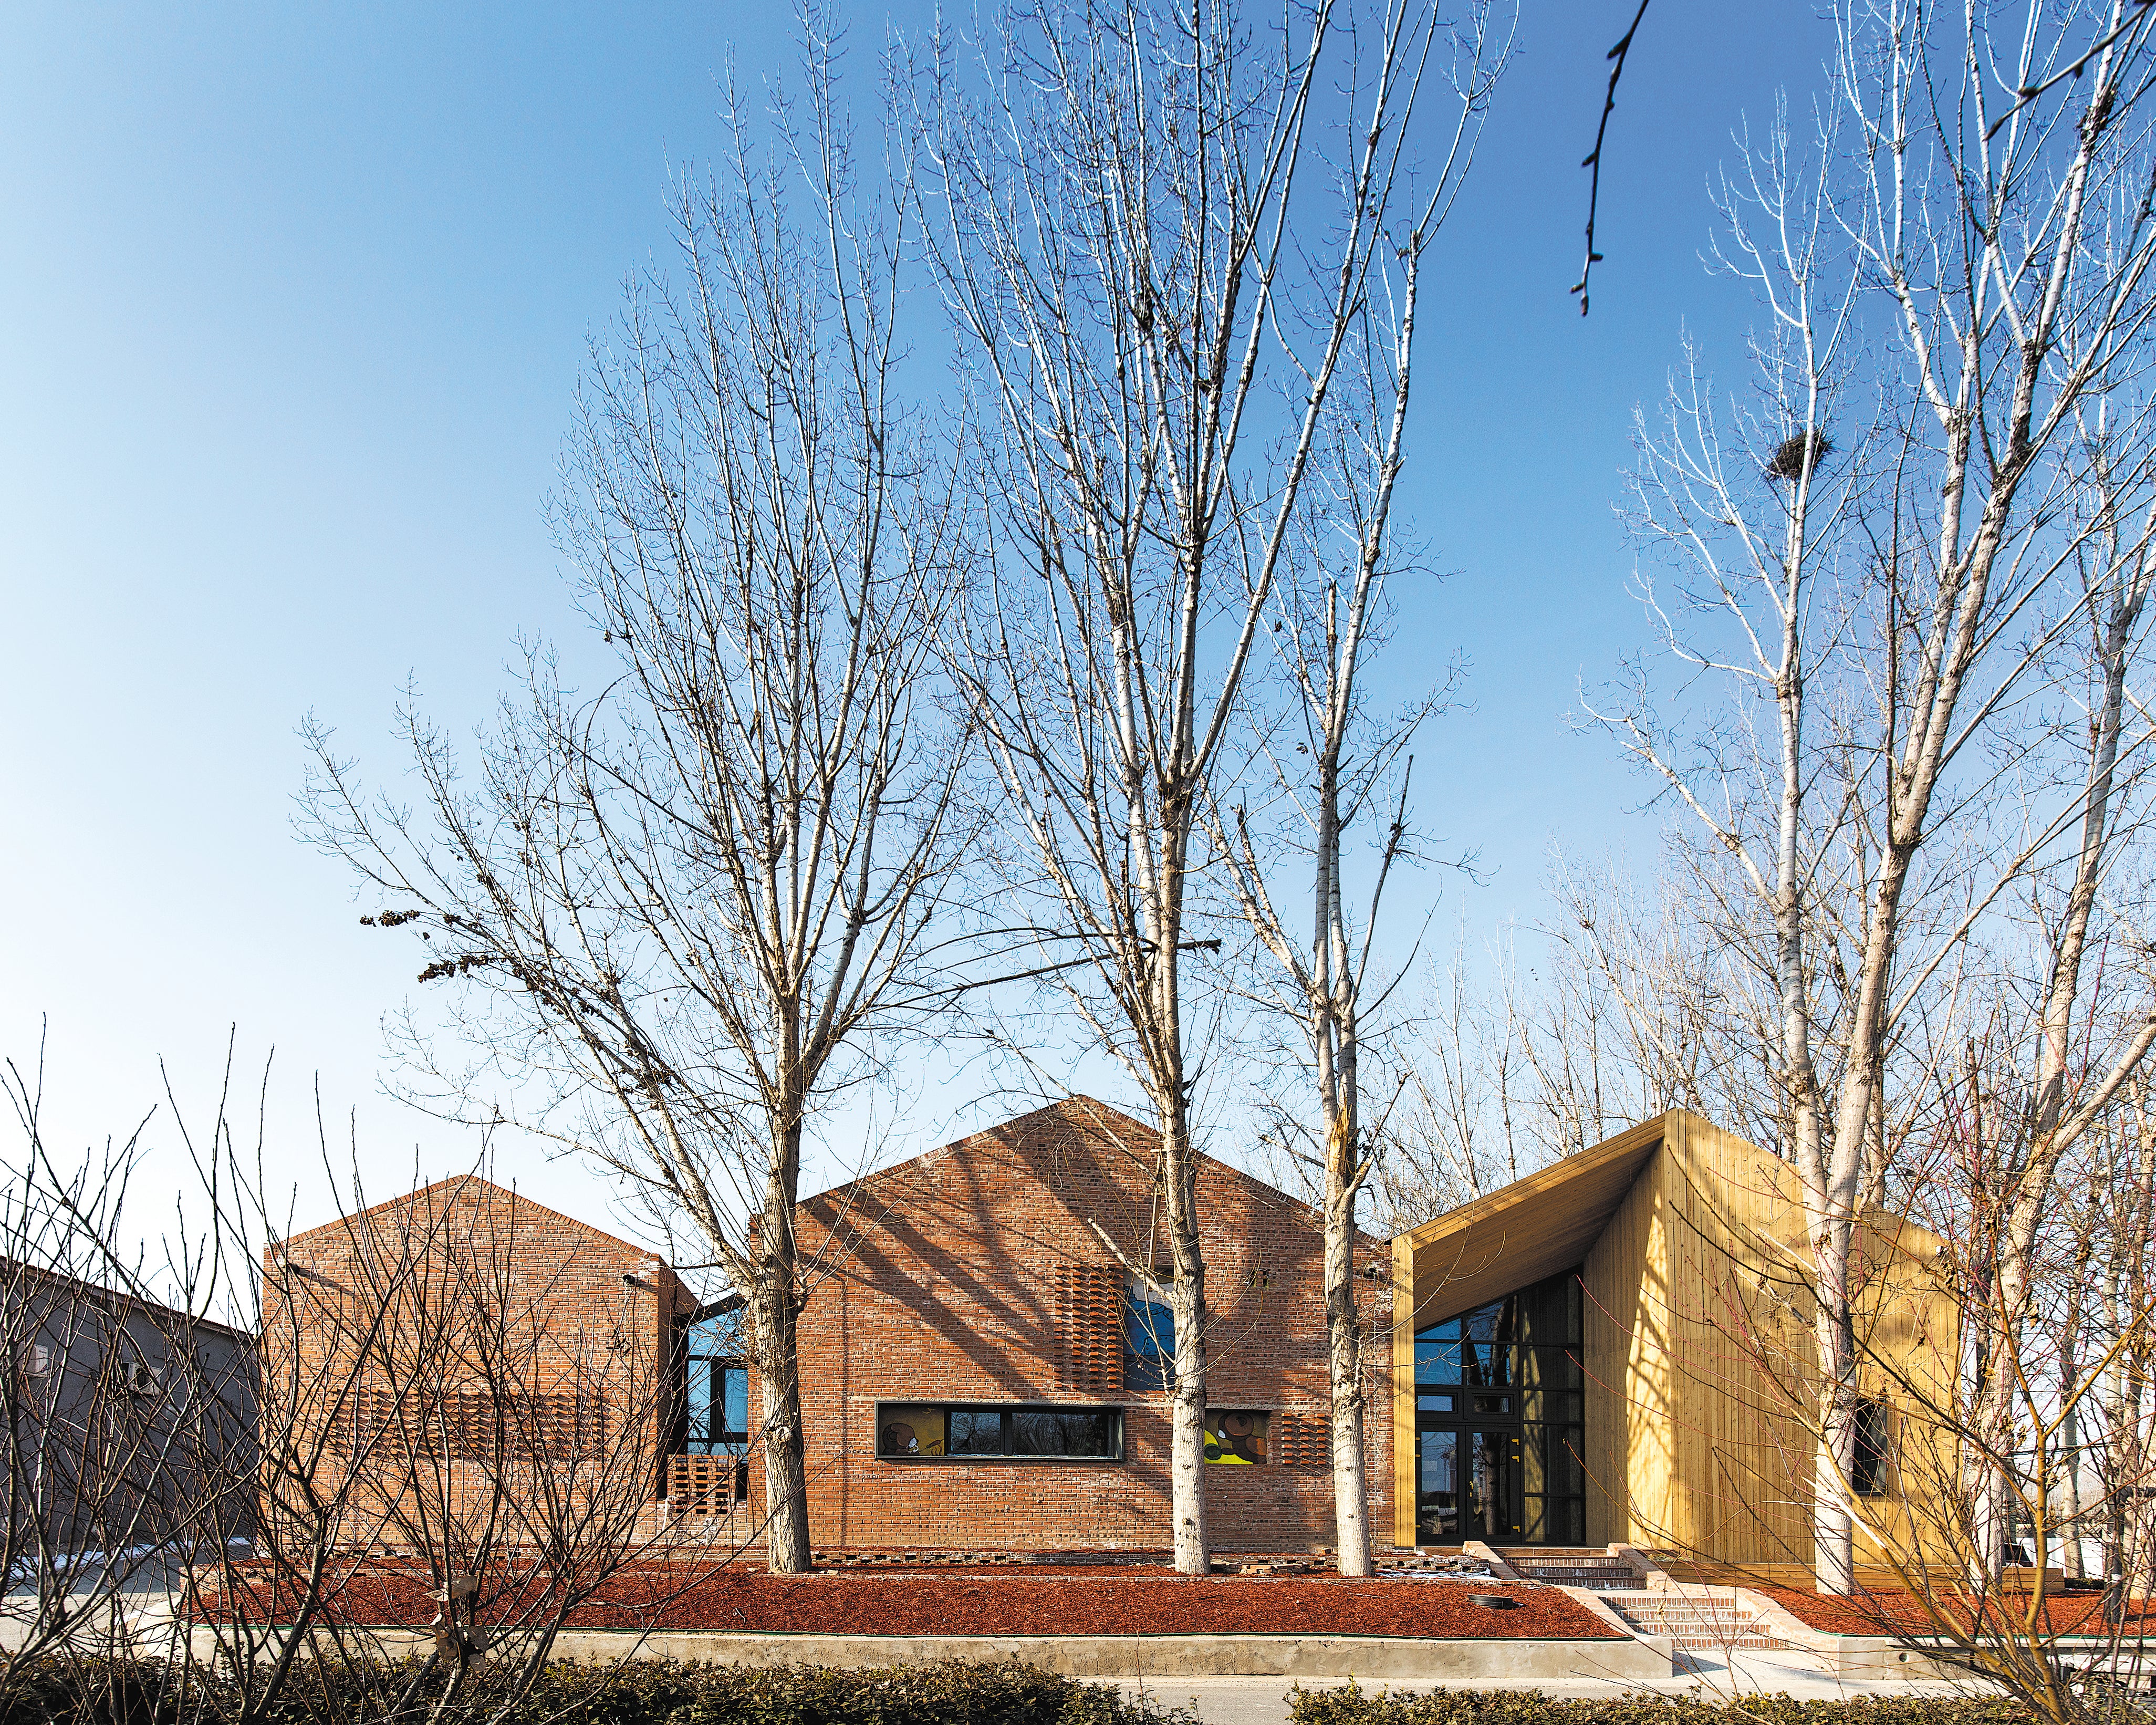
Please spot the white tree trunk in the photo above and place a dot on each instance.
(1351, 1501)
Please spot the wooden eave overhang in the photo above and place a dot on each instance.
(1511, 1238)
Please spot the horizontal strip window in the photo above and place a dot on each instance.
(945, 1431)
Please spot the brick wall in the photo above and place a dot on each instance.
(430, 1354)
(973, 1273)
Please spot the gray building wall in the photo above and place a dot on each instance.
(125, 1425)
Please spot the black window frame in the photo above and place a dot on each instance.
(717, 1438)
(1872, 1448)
(1009, 1455)
(1267, 1416)
(1513, 1369)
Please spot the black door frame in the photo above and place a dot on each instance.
(1465, 1427)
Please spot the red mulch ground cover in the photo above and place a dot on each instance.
(1882, 1613)
(990, 1603)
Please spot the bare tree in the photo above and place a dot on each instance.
(2122, 1353)
(127, 1423)
(1945, 1473)
(247, 1472)
(2084, 1047)
(491, 1464)
(1881, 549)
(1454, 1132)
(1157, 302)
(1329, 617)
(1626, 999)
(685, 917)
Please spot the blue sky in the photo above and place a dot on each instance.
(294, 301)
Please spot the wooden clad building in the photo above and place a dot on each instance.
(1618, 1348)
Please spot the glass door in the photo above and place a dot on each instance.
(1437, 1485)
(1493, 1486)
(1501, 1407)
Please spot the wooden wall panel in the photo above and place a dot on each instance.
(1741, 1368)
(1740, 1345)
(1617, 1332)
(1699, 1353)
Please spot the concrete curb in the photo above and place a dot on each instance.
(1874, 1657)
(1596, 1606)
(1159, 1655)
(1149, 1657)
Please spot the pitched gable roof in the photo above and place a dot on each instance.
(471, 1189)
(1088, 1118)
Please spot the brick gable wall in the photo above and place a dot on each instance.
(973, 1273)
(374, 1330)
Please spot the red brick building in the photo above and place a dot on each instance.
(434, 1355)
(977, 1370)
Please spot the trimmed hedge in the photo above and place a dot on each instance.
(950, 1692)
(1349, 1706)
(636, 1692)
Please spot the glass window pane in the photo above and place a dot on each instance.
(1090, 1434)
(1485, 1362)
(909, 1431)
(1148, 1341)
(1428, 1404)
(1236, 1438)
(1558, 1407)
(1492, 1485)
(1437, 1361)
(1062, 1431)
(734, 1405)
(1437, 1488)
(699, 1404)
(1036, 1431)
(717, 1336)
(1565, 1472)
(976, 1431)
(1868, 1463)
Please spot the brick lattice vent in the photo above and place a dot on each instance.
(1088, 1329)
(702, 1485)
(1601, 1576)
(1301, 1441)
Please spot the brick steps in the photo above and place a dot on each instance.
(1578, 1571)
(1695, 1625)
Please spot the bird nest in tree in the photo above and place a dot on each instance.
(1797, 454)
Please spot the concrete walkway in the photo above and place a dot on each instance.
(1263, 1701)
